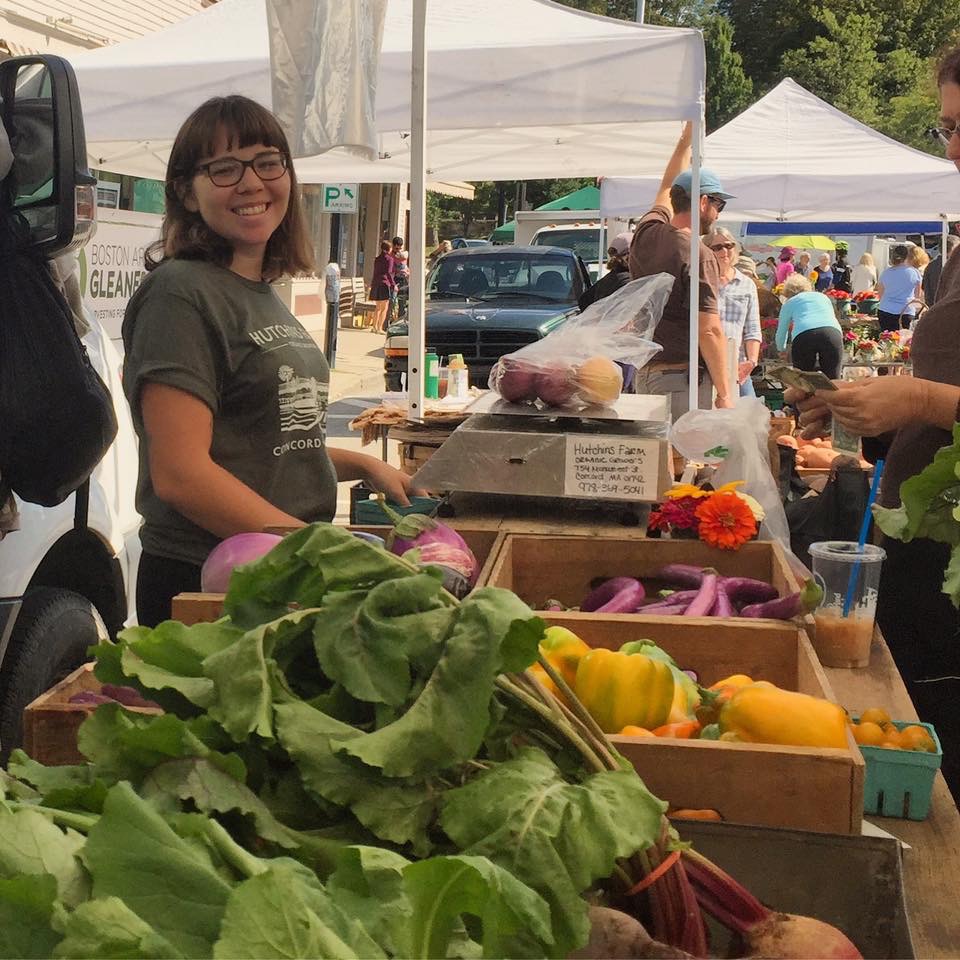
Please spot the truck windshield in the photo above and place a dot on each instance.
(584, 243)
(492, 276)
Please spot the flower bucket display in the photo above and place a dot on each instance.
(867, 302)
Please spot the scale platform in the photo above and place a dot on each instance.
(617, 453)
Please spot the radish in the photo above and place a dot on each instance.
(764, 932)
(617, 595)
(615, 935)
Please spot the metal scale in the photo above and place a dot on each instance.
(617, 456)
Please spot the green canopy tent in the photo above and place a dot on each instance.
(586, 198)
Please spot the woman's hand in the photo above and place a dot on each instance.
(813, 415)
(744, 370)
(874, 405)
(394, 484)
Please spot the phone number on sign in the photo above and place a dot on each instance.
(598, 487)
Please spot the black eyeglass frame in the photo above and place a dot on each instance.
(271, 154)
(943, 134)
(718, 202)
(723, 246)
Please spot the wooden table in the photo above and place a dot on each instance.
(931, 867)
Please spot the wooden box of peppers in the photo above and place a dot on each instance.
(615, 592)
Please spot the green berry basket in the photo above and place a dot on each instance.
(899, 783)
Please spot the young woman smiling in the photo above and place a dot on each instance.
(228, 391)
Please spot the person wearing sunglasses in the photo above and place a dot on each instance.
(228, 391)
(661, 244)
(739, 306)
(917, 415)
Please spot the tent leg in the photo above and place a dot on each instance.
(694, 377)
(417, 334)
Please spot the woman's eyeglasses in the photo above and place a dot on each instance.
(229, 171)
(722, 246)
(718, 202)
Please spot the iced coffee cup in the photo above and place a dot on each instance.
(850, 577)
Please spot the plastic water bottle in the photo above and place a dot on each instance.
(431, 376)
(458, 385)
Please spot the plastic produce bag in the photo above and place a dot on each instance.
(735, 442)
(578, 365)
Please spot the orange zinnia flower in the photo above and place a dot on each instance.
(726, 521)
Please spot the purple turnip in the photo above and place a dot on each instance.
(437, 545)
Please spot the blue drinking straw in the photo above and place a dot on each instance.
(864, 527)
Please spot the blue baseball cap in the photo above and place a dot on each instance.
(709, 183)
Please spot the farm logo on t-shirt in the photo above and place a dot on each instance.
(303, 401)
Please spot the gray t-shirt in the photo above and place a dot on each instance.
(231, 343)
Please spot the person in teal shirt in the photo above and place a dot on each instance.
(817, 337)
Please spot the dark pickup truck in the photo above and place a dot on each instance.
(485, 302)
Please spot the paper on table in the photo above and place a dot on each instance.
(869, 829)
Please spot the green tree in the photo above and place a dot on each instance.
(729, 89)
(840, 65)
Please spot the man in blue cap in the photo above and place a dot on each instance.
(661, 244)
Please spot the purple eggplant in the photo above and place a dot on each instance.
(617, 595)
(664, 609)
(677, 596)
(706, 597)
(748, 590)
(683, 574)
(722, 605)
(797, 604)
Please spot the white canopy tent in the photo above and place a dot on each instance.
(793, 157)
(517, 89)
(512, 89)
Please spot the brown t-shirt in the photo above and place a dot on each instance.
(659, 247)
(935, 352)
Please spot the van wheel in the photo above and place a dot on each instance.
(50, 639)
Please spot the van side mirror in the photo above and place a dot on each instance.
(49, 183)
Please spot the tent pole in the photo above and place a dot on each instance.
(944, 233)
(601, 251)
(416, 324)
(694, 375)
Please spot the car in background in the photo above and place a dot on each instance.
(582, 238)
(462, 243)
(484, 302)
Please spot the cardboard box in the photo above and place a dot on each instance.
(540, 567)
(484, 539)
(51, 722)
(803, 788)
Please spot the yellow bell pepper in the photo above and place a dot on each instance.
(621, 689)
(563, 649)
(734, 680)
(763, 713)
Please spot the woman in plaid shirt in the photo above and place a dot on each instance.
(739, 308)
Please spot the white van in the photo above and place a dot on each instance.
(67, 574)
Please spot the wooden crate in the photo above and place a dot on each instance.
(50, 722)
(802, 788)
(540, 567)
(484, 539)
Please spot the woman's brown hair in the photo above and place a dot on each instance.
(948, 70)
(184, 235)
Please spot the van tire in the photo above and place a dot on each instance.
(50, 638)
